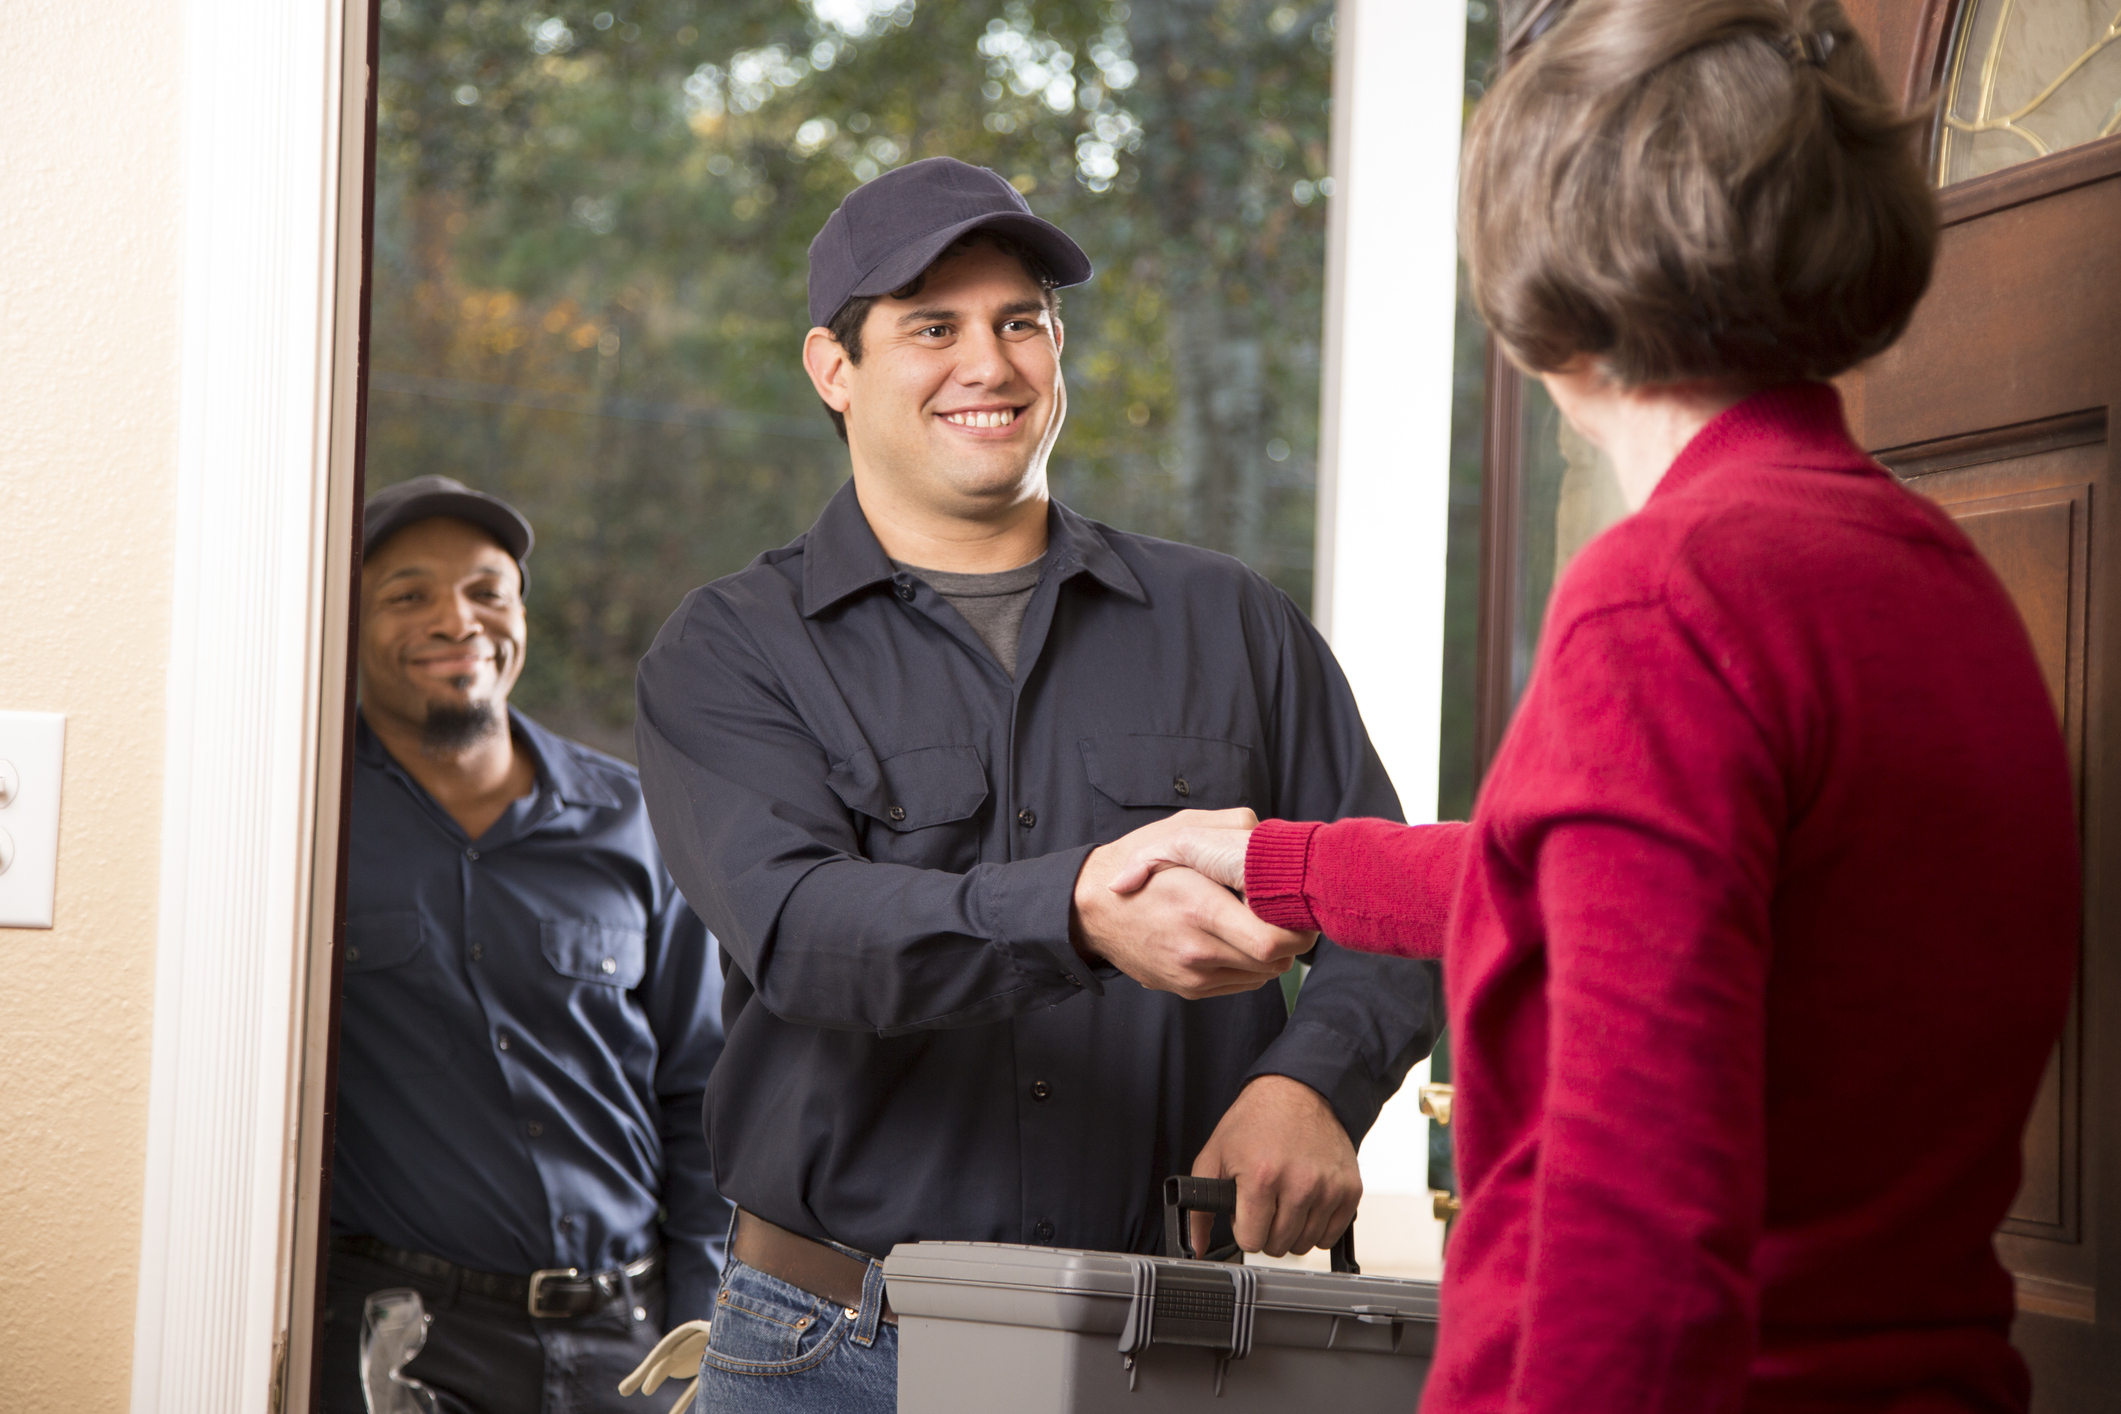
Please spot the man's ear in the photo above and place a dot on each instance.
(1060, 334)
(827, 363)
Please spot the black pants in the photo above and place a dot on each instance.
(489, 1357)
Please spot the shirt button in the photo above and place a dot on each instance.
(1181, 787)
(905, 590)
(534, 1129)
(477, 952)
(609, 966)
(471, 854)
(353, 954)
(1044, 1231)
(1027, 817)
(897, 813)
(1040, 1089)
(503, 1042)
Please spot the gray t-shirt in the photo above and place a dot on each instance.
(993, 604)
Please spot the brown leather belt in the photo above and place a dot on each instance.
(805, 1264)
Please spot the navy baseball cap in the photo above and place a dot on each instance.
(425, 497)
(891, 228)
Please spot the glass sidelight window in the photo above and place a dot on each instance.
(1567, 494)
(2027, 78)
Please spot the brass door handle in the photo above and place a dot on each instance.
(1444, 1204)
(1436, 1103)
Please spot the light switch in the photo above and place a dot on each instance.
(32, 749)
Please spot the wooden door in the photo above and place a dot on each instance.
(2000, 403)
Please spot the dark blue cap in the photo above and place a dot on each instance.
(892, 228)
(425, 497)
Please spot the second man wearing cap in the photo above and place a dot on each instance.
(881, 762)
(529, 1011)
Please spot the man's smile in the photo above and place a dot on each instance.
(465, 660)
(983, 419)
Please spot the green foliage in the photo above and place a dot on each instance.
(591, 237)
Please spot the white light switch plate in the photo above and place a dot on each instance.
(32, 746)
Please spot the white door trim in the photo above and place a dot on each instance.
(1384, 464)
(257, 680)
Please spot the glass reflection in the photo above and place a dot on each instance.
(1569, 494)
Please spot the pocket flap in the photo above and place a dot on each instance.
(589, 951)
(1169, 772)
(378, 940)
(912, 790)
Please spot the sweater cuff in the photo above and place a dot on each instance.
(1275, 863)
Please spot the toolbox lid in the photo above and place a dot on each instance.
(1091, 1292)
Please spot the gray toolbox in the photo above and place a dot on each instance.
(993, 1326)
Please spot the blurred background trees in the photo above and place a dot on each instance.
(591, 231)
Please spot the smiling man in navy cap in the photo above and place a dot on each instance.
(882, 761)
(528, 1017)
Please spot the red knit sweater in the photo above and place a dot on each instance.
(1757, 945)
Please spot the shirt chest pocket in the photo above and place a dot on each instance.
(917, 807)
(393, 1014)
(375, 941)
(1138, 779)
(615, 955)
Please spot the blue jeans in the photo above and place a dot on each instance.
(775, 1348)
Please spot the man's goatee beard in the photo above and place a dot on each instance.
(450, 729)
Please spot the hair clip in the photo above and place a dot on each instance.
(1810, 48)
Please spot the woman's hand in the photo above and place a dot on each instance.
(1209, 842)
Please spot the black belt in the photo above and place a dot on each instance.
(553, 1292)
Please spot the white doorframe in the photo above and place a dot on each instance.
(273, 147)
(1384, 467)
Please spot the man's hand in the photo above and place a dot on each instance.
(1179, 932)
(1209, 842)
(1297, 1181)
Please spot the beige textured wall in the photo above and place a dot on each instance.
(90, 219)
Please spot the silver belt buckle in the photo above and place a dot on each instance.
(537, 1285)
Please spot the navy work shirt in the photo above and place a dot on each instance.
(526, 1031)
(884, 830)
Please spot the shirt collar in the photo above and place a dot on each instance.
(559, 774)
(841, 555)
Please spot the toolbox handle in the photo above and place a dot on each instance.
(1185, 1194)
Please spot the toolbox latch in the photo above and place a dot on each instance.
(1177, 1304)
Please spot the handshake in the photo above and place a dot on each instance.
(1164, 905)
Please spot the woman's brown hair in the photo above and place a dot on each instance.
(1686, 189)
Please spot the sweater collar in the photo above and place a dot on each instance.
(1799, 425)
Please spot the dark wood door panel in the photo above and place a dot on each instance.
(1907, 39)
(2022, 322)
(2027, 496)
